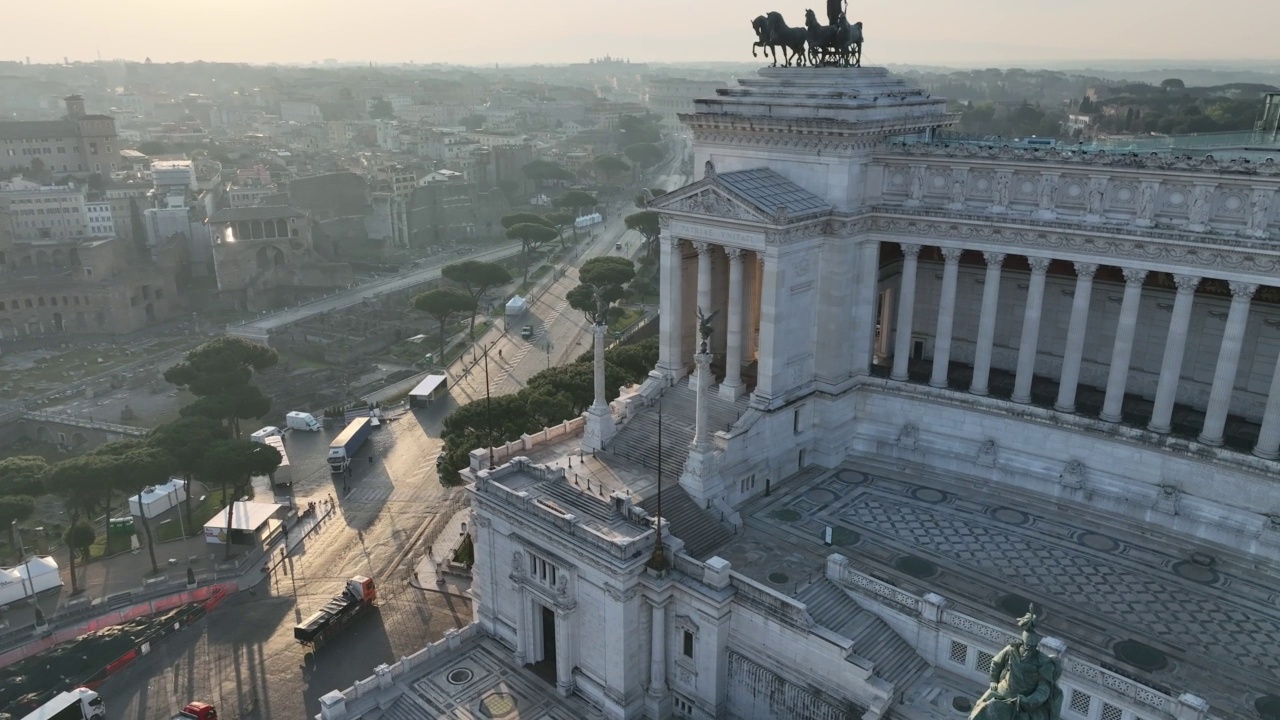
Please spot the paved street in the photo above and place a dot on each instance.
(383, 524)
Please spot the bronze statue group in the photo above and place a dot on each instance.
(836, 44)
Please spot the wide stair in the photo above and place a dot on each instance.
(895, 661)
(701, 532)
(637, 441)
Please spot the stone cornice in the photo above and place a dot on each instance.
(802, 134)
(1157, 249)
(1099, 158)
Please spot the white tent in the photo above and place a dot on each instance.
(249, 517)
(517, 305)
(156, 499)
(16, 584)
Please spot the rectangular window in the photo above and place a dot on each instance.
(984, 661)
(795, 422)
(688, 644)
(93, 148)
(959, 652)
(1081, 702)
(1111, 712)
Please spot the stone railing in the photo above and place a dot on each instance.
(77, 421)
(369, 694)
(992, 639)
(771, 602)
(1231, 199)
(526, 443)
(1145, 161)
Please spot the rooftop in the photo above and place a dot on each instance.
(34, 129)
(768, 191)
(257, 212)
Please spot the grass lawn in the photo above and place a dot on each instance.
(624, 320)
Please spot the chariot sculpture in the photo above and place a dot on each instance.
(836, 44)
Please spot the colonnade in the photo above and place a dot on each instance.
(1220, 394)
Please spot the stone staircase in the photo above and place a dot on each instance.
(576, 500)
(896, 662)
(637, 441)
(701, 532)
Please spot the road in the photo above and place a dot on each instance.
(512, 359)
(347, 298)
(247, 645)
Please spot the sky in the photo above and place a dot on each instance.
(937, 32)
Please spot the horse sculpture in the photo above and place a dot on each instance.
(838, 45)
(772, 31)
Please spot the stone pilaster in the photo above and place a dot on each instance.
(671, 315)
(1074, 352)
(658, 697)
(1174, 349)
(946, 317)
(1122, 350)
(732, 386)
(906, 311)
(1030, 340)
(1224, 374)
(987, 323)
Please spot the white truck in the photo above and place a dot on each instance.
(283, 476)
(298, 420)
(260, 436)
(78, 704)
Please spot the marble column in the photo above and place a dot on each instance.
(1269, 436)
(946, 317)
(867, 274)
(1030, 341)
(1174, 349)
(599, 427)
(1224, 375)
(987, 323)
(1122, 350)
(670, 305)
(906, 310)
(883, 346)
(564, 654)
(704, 276)
(658, 650)
(731, 388)
(1076, 327)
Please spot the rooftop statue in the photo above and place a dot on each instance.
(837, 44)
(704, 329)
(1024, 680)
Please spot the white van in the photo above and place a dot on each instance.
(298, 420)
(261, 436)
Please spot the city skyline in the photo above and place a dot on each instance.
(715, 30)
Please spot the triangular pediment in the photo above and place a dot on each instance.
(706, 198)
(758, 195)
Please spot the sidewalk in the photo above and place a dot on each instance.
(430, 571)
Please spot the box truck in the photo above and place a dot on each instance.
(298, 420)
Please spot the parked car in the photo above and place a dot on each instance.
(526, 332)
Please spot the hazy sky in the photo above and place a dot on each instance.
(998, 32)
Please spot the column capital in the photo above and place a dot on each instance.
(1186, 284)
(994, 258)
(1086, 270)
(1134, 276)
(1039, 265)
(910, 250)
(952, 255)
(703, 247)
(1242, 290)
(735, 254)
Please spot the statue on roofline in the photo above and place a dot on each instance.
(1024, 680)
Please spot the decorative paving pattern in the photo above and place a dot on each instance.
(1118, 587)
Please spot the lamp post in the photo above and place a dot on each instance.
(26, 565)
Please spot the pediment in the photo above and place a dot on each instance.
(706, 198)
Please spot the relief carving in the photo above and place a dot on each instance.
(908, 436)
(1260, 212)
(1072, 475)
(987, 454)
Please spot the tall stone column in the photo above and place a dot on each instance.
(658, 650)
(564, 654)
(987, 324)
(1269, 436)
(702, 384)
(599, 428)
(1224, 375)
(1076, 327)
(867, 274)
(946, 317)
(1122, 350)
(671, 317)
(732, 388)
(1174, 349)
(906, 310)
(883, 345)
(704, 276)
(699, 476)
(1029, 344)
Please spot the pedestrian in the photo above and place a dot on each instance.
(370, 459)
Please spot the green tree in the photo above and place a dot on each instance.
(219, 373)
(75, 481)
(112, 476)
(639, 129)
(645, 154)
(23, 475)
(380, 109)
(444, 303)
(561, 219)
(644, 197)
(13, 510)
(521, 218)
(78, 538)
(601, 282)
(576, 202)
(187, 440)
(472, 122)
(645, 222)
(610, 167)
(1172, 84)
(541, 171)
(531, 237)
(232, 464)
(134, 472)
(477, 278)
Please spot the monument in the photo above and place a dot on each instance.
(1024, 680)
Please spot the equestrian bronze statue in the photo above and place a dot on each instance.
(838, 44)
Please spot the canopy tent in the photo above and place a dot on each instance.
(517, 305)
(431, 387)
(37, 574)
(247, 518)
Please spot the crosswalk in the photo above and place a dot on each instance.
(495, 384)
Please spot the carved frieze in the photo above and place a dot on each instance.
(1151, 161)
(713, 203)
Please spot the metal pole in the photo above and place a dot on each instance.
(488, 406)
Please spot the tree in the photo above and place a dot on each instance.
(561, 219)
(510, 221)
(23, 475)
(644, 154)
(1172, 84)
(610, 167)
(75, 480)
(152, 148)
(380, 109)
(472, 122)
(476, 277)
(646, 196)
(575, 201)
(186, 440)
(540, 171)
(645, 222)
(78, 538)
(219, 373)
(532, 237)
(137, 470)
(443, 303)
(601, 281)
(112, 476)
(232, 464)
(639, 129)
(14, 509)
